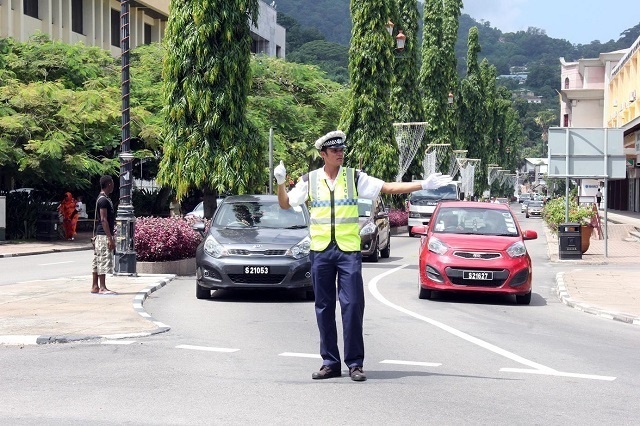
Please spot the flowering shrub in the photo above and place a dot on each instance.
(398, 218)
(554, 213)
(160, 239)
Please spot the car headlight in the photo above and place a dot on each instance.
(213, 248)
(517, 249)
(437, 246)
(301, 249)
(369, 228)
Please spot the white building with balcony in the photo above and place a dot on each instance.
(97, 23)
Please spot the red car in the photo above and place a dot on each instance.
(475, 247)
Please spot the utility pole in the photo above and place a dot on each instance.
(125, 256)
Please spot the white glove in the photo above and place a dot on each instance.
(436, 180)
(280, 173)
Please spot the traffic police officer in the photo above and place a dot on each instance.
(333, 192)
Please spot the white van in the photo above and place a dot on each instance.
(422, 203)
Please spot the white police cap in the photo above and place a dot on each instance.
(335, 139)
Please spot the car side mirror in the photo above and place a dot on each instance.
(420, 229)
(198, 227)
(382, 214)
(529, 235)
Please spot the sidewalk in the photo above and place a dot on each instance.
(63, 310)
(607, 286)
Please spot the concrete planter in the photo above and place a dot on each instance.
(177, 267)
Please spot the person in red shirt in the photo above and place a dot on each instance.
(67, 210)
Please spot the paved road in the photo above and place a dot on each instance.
(247, 357)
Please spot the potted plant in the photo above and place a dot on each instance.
(554, 214)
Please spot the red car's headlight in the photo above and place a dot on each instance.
(437, 246)
(517, 249)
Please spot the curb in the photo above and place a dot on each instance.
(54, 250)
(137, 306)
(565, 298)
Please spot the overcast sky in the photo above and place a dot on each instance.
(578, 22)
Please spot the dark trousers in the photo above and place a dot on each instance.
(325, 266)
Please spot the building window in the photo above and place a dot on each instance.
(565, 120)
(147, 34)
(566, 83)
(115, 27)
(76, 16)
(31, 8)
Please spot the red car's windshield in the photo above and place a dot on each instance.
(474, 221)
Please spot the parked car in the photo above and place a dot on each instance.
(475, 247)
(423, 202)
(198, 211)
(375, 229)
(503, 200)
(534, 208)
(253, 243)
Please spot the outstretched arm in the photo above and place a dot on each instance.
(435, 180)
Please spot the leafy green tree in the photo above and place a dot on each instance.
(59, 114)
(366, 120)
(406, 102)
(473, 116)
(433, 82)
(299, 103)
(209, 143)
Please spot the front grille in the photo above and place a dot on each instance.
(244, 252)
(499, 277)
(257, 279)
(476, 255)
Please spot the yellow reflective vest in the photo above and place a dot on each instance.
(334, 214)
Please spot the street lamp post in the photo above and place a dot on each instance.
(125, 256)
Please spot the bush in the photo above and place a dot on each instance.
(398, 218)
(161, 239)
(554, 213)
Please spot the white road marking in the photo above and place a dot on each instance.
(418, 363)
(300, 355)
(206, 348)
(559, 373)
(55, 263)
(118, 342)
(538, 368)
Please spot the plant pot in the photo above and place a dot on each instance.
(585, 237)
(177, 267)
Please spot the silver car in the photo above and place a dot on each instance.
(252, 243)
(534, 208)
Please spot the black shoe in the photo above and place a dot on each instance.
(357, 375)
(326, 373)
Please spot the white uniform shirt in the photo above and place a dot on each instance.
(368, 187)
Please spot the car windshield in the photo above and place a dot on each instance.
(261, 214)
(535, 203)
(364, 207)
(447, 192)
(475, 221)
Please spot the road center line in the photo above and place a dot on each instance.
(373, 288)
(56, 263)
(537, 368)
(300, 355)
